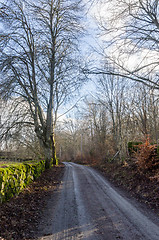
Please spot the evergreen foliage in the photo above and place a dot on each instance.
(133, 147)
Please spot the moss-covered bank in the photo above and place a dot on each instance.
(17, 176)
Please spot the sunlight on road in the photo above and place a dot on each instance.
(89, 208)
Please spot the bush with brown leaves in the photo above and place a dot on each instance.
(146, 156)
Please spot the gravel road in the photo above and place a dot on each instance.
(88, 207)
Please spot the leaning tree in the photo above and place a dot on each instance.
(39, 62)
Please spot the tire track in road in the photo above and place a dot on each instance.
(89, 208)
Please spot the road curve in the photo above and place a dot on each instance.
(89, 208)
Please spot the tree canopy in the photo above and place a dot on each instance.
(39, 60)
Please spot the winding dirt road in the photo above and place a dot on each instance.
(88, 207)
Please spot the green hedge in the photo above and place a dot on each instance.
(15, 177)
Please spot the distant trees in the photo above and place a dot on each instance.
(128, 50)
(117, 114)
(112, 95)
(17, 137)
(68, 136)
(39, 61)
(122, 110)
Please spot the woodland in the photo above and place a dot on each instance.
(49, 59)
(79, 81)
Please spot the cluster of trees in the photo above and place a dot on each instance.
(40, 64)
(118, 113)
(126, 106)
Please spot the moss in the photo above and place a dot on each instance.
(57, 161)
(17, 176)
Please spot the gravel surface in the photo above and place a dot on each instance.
(88, 207)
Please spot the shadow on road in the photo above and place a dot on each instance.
(87, 207)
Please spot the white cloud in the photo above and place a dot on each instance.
(112, 17)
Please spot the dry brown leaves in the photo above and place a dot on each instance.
(20, 217)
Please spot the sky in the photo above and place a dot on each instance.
(99, 10)
(87, 43)
(103, 11)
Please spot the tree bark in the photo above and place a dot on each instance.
(53, 150)
(48, 157)
(50, 152)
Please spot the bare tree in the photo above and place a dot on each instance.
(113, 95)
(144, 109)
(117, 114)
(129, 35)
(40, 61)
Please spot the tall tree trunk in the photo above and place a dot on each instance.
(48, 156)
(50, 152)
(53, 150)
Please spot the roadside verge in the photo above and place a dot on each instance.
(128, 178)
(20, 217)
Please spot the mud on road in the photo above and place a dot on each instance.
(88, 207)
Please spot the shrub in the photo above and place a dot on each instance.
(133, 147)
(147, 158)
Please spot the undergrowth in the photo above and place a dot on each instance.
(147, 158)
